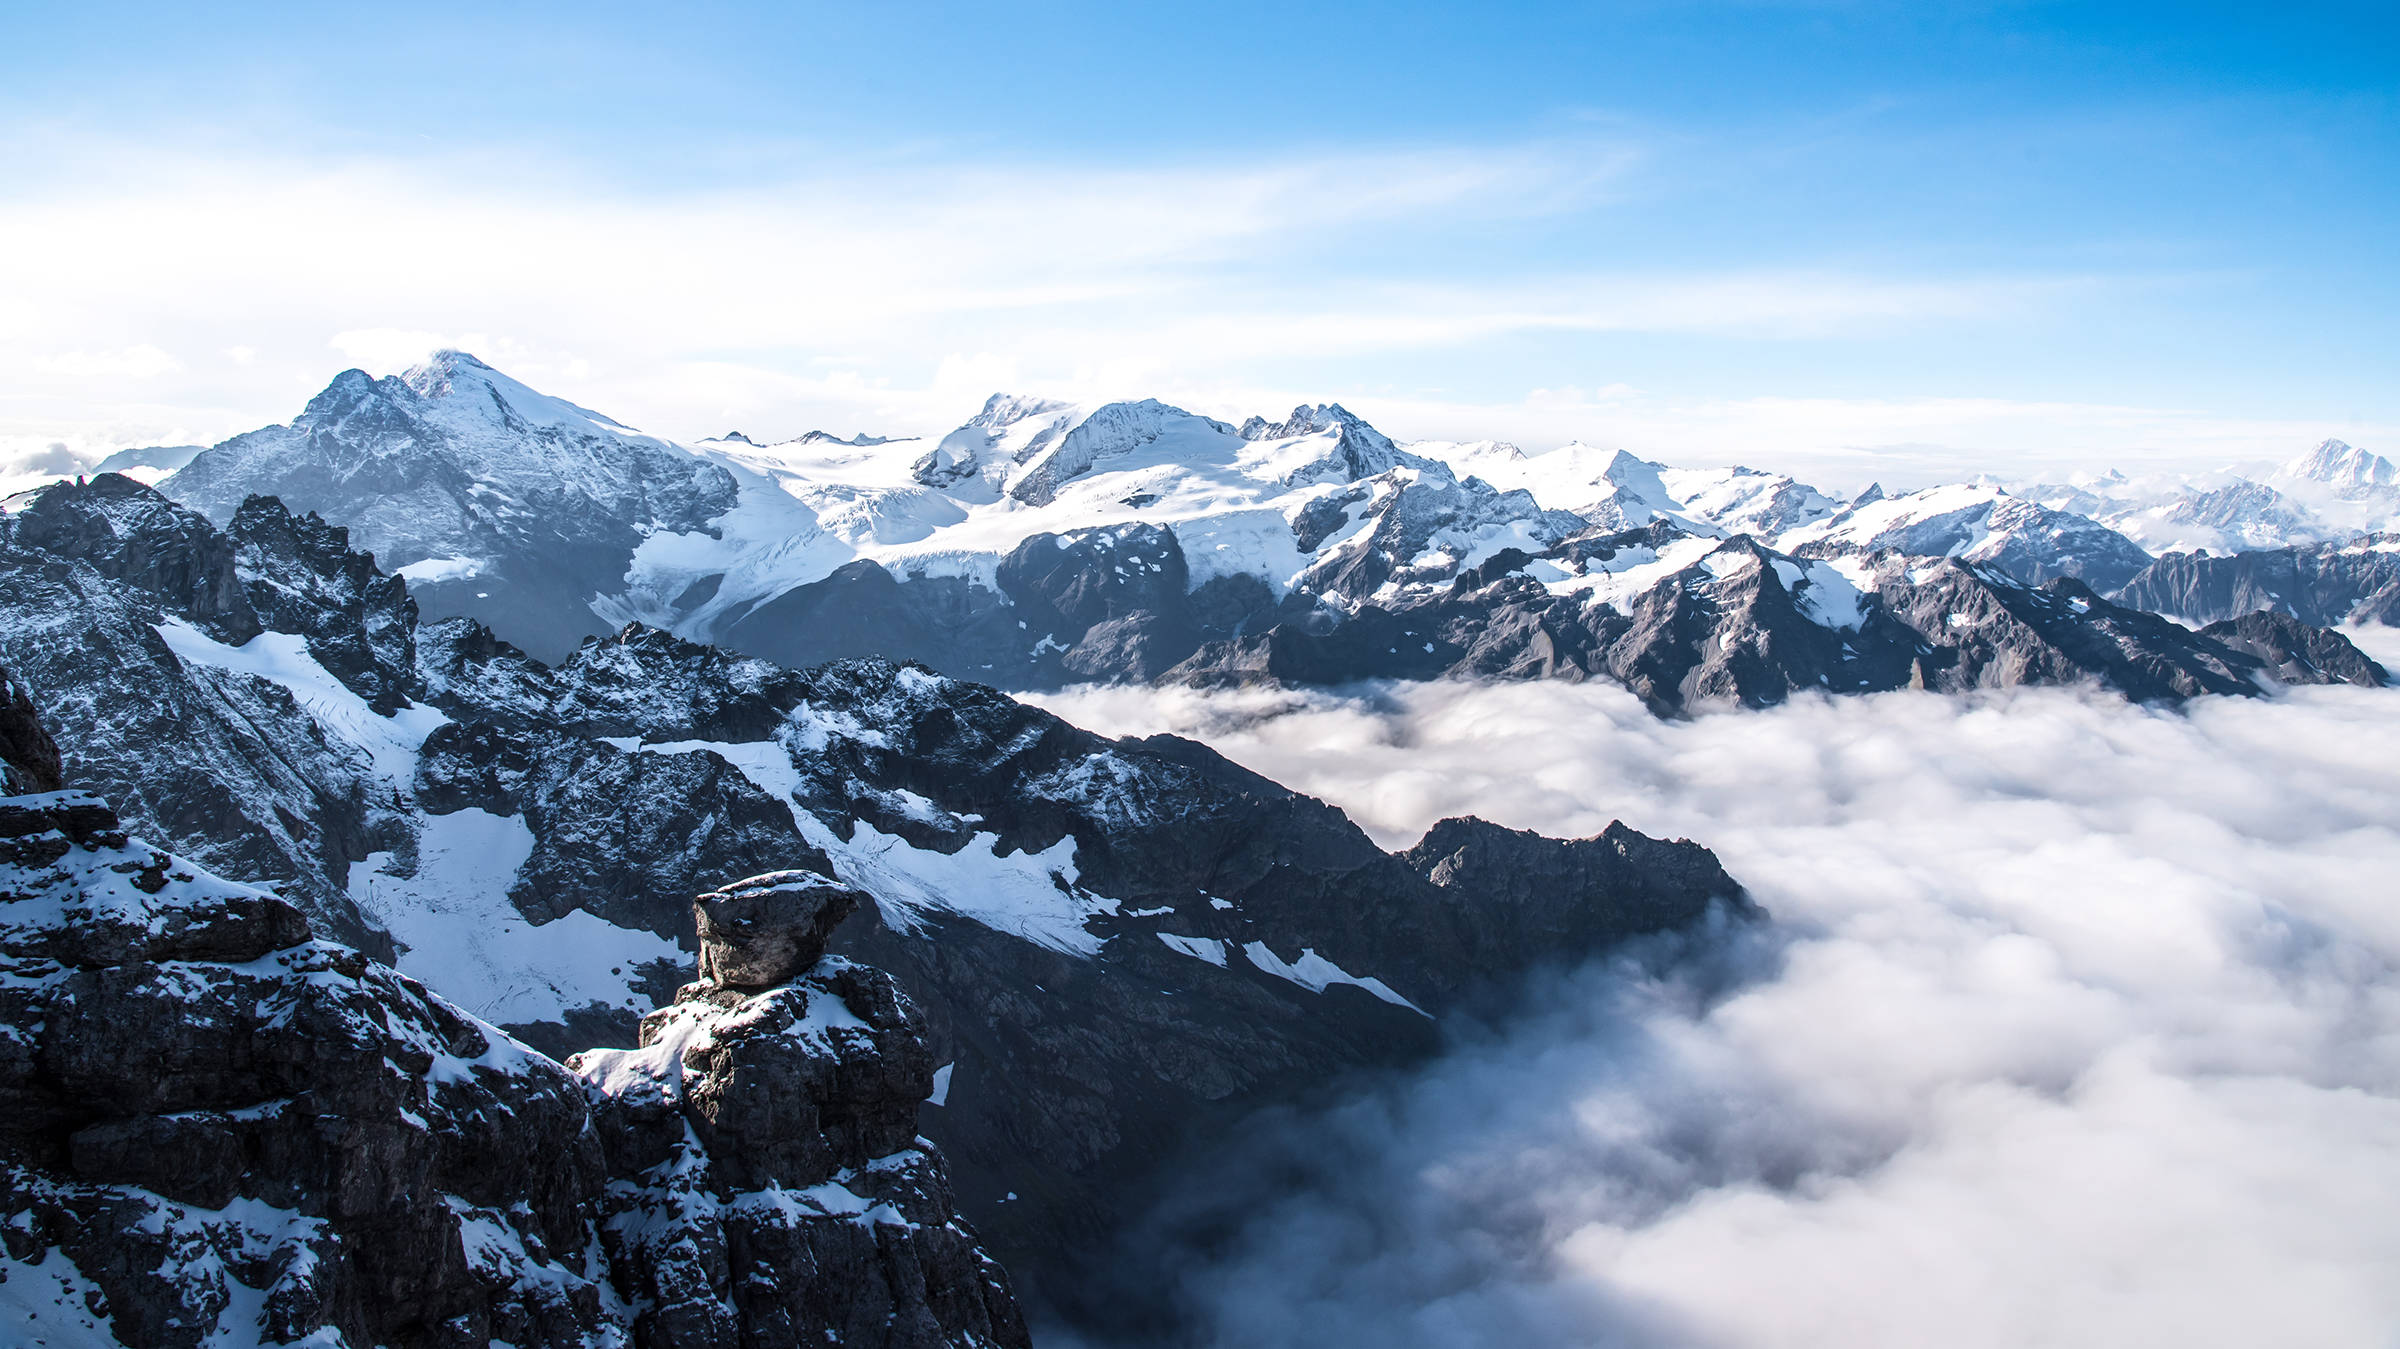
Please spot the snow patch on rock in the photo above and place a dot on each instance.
(463, 937)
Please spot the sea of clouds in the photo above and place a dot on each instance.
(2075, 1023)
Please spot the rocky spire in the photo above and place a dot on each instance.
(782, 1194)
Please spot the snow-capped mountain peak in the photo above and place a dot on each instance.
(1635, 474)
(553, 522)
(1305, 420)
(1007, 409)
(457, 382)
(1356, 450)
(495, 500)
(2350, 471)
(1977, 522)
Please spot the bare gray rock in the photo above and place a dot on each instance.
(768, 929)
(29, 759)
(2323, 584)
(782, 1196)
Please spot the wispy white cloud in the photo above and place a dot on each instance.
(682, 312)
(141, 361)
(894, 297)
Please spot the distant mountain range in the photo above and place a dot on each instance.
(1044, 543)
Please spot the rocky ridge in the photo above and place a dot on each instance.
(1685, 621)
(2325, 584)
(336, 1155)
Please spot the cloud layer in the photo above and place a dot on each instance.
(2078, 1023)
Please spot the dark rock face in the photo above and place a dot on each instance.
(614, 830)
(215, 1118)
(862, 610)
(216, 1129)
(229, 766)
(1062, 584)
(2295, 653)
(29, 760)
(126, 532)
(301, 576)
(467, 671)
(1098, 604)
(1529, 888)
(2327, 584)
(769, 1114)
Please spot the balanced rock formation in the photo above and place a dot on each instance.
(780, 1193)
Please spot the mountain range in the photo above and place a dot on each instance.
(1042, 544)
(696, 942)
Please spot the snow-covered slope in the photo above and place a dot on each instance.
(497, 501)
(1980, 523)
(1618, 490)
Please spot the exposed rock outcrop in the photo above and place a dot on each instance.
(2325, 584)
(29, 761)
(781, 1196)
(216, 1129)
(216, 1126)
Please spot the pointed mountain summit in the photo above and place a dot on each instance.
(496, 501)
(1360, 451)
(459, 385)
(2348, 470)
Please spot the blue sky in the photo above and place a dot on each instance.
(1856, 236)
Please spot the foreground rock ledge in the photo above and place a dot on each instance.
(779, 1193)
(217, 1129)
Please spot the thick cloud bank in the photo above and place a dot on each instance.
(2078, 1023)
